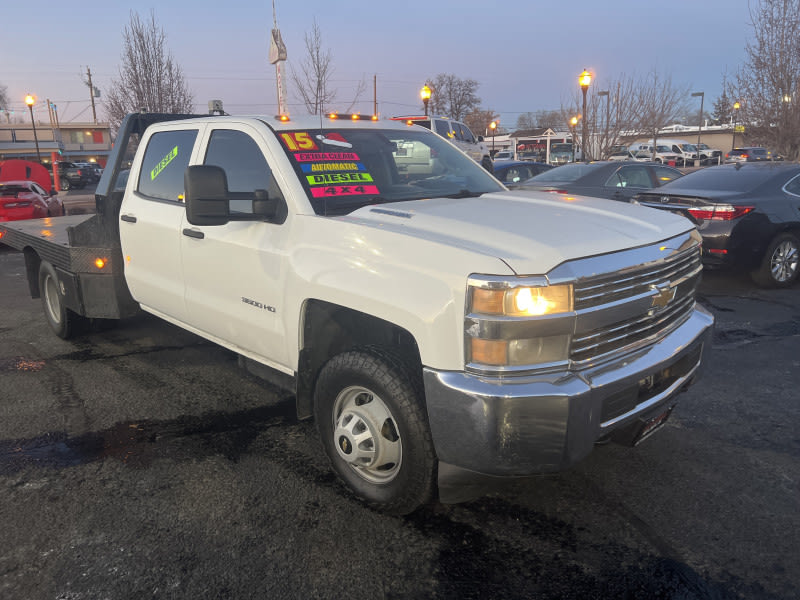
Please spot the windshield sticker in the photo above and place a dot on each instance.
(320, 156)
(335, 166)
(164, 162)
(328, 178)
(334, 139)
(343, 190)
(298, 140)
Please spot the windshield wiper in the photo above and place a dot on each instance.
(465, 194)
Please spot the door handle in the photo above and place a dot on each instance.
(193, 233)
(128, 218)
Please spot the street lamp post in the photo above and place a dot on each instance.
(700, 123)
(584, 80)
(736, 106)
(493, 127)
(425, 94)
(573, 122)
(30, 101)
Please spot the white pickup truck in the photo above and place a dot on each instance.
(430, 320)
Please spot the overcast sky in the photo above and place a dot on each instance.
(525, 54)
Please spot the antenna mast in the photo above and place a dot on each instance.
(277, 55)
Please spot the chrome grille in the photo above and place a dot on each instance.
(637, 287)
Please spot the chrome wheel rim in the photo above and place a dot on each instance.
(51, 299)
(783, 264)
(366, 436)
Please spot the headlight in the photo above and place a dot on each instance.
(517, 325)
(523, 301)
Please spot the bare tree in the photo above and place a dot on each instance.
(149, 78)
(540, 119)
(768, 84)
(452, 96)
(479, 120)
(3, 97)
(658, 103)
(612, 109)
(313, 82)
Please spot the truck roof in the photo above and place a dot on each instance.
(279, 123)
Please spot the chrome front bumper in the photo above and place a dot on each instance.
(517, 426)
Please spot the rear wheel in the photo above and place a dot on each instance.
(374, 428)
(62, 320)
(780, 264)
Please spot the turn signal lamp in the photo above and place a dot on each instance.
(100, 262)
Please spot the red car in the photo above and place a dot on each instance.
(27, 200)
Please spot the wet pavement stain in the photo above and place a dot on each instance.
(20, 363)
(138, 444)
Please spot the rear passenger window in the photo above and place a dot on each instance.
(164, 162)
(443, 129)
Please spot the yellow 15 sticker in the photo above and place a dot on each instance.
(298, 140)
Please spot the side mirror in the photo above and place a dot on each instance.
(264, 206)
(480, 138)
(206, 195)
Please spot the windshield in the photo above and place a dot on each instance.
(564, 173)
(560, 148)
(344, 169)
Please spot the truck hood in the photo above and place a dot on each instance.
(532, 232)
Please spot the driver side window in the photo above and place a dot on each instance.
(245, 167)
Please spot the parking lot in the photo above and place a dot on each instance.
(139, 461)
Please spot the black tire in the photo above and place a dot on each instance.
(64, 184)
(368, 404)
(780, 264)
(487, 164)
(62, 320)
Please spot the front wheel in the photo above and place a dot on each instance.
(780, 263)
(62, 320)
(64, 184)
(373, 425)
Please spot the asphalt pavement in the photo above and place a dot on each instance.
(138, 461)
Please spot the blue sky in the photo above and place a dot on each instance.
(525, 54)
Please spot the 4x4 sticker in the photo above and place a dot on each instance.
(343, 190)
(164, 162)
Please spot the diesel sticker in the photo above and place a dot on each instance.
(164, 162)
(328, 178)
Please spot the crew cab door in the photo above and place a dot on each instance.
(150, 222)
(234, 274)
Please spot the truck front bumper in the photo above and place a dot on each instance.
(517, 426)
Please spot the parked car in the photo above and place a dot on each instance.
(708, 154)
(747, 213)
(92, 169)
(623, 155)
(28, 200)
(748, 154)
(516, 171)
(504, 155)
(70, 175)
(458, 133)
(663, 154)
(603, 179)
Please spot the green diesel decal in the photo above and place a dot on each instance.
(164, 162)
(329, 178)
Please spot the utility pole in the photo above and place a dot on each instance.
(91, 94)
(375, 94)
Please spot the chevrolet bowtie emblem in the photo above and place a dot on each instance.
(663, 297)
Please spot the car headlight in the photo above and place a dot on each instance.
(517, 325)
